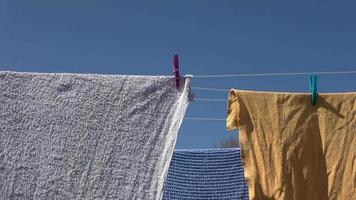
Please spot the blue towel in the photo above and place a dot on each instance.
(206, 175)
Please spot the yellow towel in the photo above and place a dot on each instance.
(295, 151)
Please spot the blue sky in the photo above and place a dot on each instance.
(211, 37)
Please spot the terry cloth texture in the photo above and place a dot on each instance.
(71, 136)
(293, 150)
(215, 174)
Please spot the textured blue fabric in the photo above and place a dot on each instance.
(206, 175)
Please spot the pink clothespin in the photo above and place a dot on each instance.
(176, 69)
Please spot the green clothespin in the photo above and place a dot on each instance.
(313, 88)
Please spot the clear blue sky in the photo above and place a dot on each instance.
(211, 37)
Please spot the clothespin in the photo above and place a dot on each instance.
(176, 69)
(313, 88)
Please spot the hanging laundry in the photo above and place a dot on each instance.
(215, 174)
(71, 136)
(293, 150)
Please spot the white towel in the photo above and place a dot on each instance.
(71, 136)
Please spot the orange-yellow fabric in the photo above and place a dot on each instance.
(292, 150)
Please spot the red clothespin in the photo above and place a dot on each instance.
(176, 69)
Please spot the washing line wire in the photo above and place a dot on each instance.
(263, 74)
(212, 89)
(248, 75)
(204, 119)
(224, 100)
(274, 74)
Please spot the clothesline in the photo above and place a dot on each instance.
(273, 74)
(224, 100)
(212, 89)
(204, 118)
(247, 75)
(263, 74)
